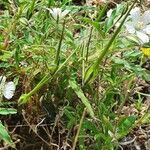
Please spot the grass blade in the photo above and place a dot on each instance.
(81, 95)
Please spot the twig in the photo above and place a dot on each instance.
(78, 131)
(23, 114)
(127, 142)
(6, 147)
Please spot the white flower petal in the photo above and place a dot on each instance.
(147, 29)
(135, 14)
(109, 13)
(143, 37)
(130, 27)
(146, 17)
(64, 13)
(54, 12)
(57, 13)
(9, 90)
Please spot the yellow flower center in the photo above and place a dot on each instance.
(139, 25)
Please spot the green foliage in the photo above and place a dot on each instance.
(116, 15)
(81, 95)
(7, 111)
(82, 61)
(124, 126)
(5, 136)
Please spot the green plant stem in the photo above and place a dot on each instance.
(88, 43)
(127, 93)
(102, 13)
(83, 64)
(25, 97)
(79, 128)
(32, 6)
(104, 52)
(92, 72)
(39, 85)
(12, 27)
(31, 9)
(59, 46)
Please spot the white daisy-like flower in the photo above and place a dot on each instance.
(7, 89)
(139, 24)
(58, 14)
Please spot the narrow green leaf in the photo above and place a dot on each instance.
(5, 136)
(7, 111)
(81, 95)
(125, 126)
(91, 73)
